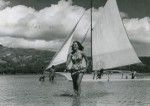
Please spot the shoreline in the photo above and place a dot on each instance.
(89, 77)
(113, 77)
(56, 72)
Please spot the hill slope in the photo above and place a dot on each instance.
(16, 60)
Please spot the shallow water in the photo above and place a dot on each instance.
(26, 90)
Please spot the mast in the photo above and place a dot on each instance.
(91, 37)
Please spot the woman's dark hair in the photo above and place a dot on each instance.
(79, 45)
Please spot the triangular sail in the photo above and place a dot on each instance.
(85, 36)
(110, 44)
(61, 55)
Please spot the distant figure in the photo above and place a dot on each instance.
(126, 77)
(108, 75)
(52, 73)
(42, 77)
(133, 73)
(78, 67)
(122, 75)
(95, 73)
(100, 73)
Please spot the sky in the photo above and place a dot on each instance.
(45, 24)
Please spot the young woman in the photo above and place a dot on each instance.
(78, 66)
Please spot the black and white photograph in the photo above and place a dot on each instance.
(74, 52)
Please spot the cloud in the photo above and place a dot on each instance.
(3, 4)
(49, 23)
(139, 33)
(25, 24)
(135, 24)
(124, 15)
(25, 27)
(53, 45)
(138, 29)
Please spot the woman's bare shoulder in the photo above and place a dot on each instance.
(82, 52)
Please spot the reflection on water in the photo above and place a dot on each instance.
(18, 90)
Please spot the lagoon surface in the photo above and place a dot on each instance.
(26, 90)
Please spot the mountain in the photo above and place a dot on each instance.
(17, 60)
(140, 67)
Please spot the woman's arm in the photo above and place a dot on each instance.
(86, 60)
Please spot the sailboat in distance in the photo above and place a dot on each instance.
(111, 47)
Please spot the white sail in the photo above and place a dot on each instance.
(61, 56)
(110, 44)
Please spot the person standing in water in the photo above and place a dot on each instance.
(133, 73)
(52, 73)
(42, 77)
(100, 73)
(78, 67)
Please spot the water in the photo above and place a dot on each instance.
(26, 90)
